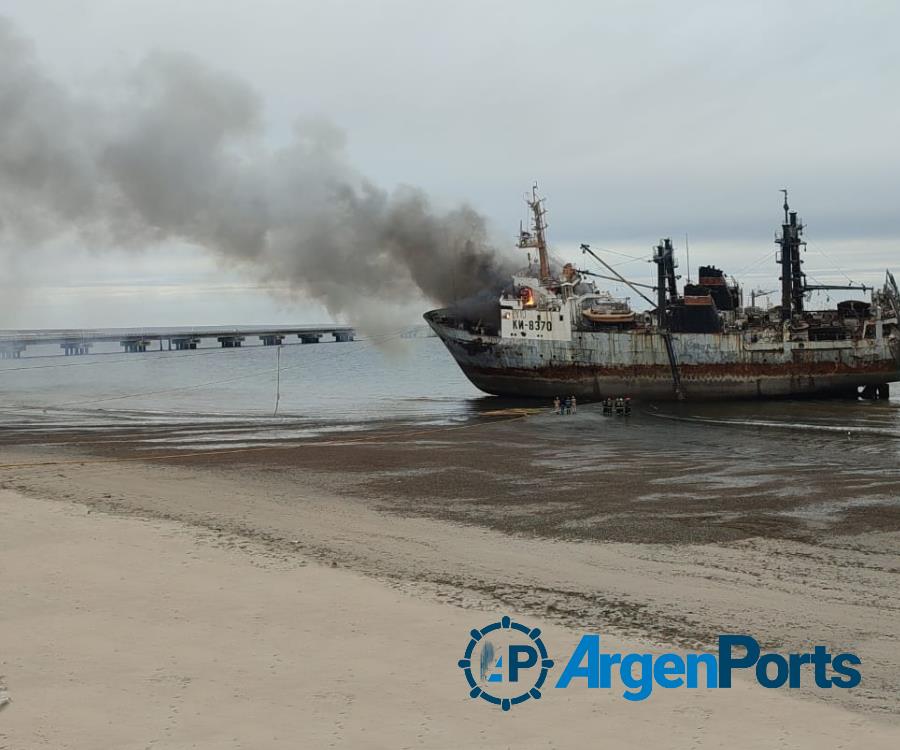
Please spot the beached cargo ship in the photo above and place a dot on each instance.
(554, 332)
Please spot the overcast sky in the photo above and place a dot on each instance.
(639, 120)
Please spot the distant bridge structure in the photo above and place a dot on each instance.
(79, 341)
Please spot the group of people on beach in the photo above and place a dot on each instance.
(564, 406)
(621, 406)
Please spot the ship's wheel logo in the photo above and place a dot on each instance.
(505, 663)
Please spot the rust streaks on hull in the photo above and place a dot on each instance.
(721, 365)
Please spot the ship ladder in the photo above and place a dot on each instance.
(673, 364)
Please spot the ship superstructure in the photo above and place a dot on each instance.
(558, 333)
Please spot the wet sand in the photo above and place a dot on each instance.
(481, 519)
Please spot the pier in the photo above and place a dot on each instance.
(79, 341)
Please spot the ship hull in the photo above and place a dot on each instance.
(594, 365)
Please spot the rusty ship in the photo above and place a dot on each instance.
(552, 331)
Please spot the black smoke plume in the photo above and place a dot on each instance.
(176, 151)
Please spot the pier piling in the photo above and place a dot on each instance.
(136, 345)
(72, 348)
(12, 350)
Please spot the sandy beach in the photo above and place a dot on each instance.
(274, 600)
(121, 632)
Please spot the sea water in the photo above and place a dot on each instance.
(333, 386)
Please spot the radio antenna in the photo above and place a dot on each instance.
(687, 251)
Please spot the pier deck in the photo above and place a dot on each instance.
(79, 341)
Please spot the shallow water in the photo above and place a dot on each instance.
(216, 397)
(350, 382)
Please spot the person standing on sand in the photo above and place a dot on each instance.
(574, 406)
(556, 405)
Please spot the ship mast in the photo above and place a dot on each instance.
(666, 285)
(793, 280)
(538, 238)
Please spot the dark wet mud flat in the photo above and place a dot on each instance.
(643, 480)
(670, 475)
